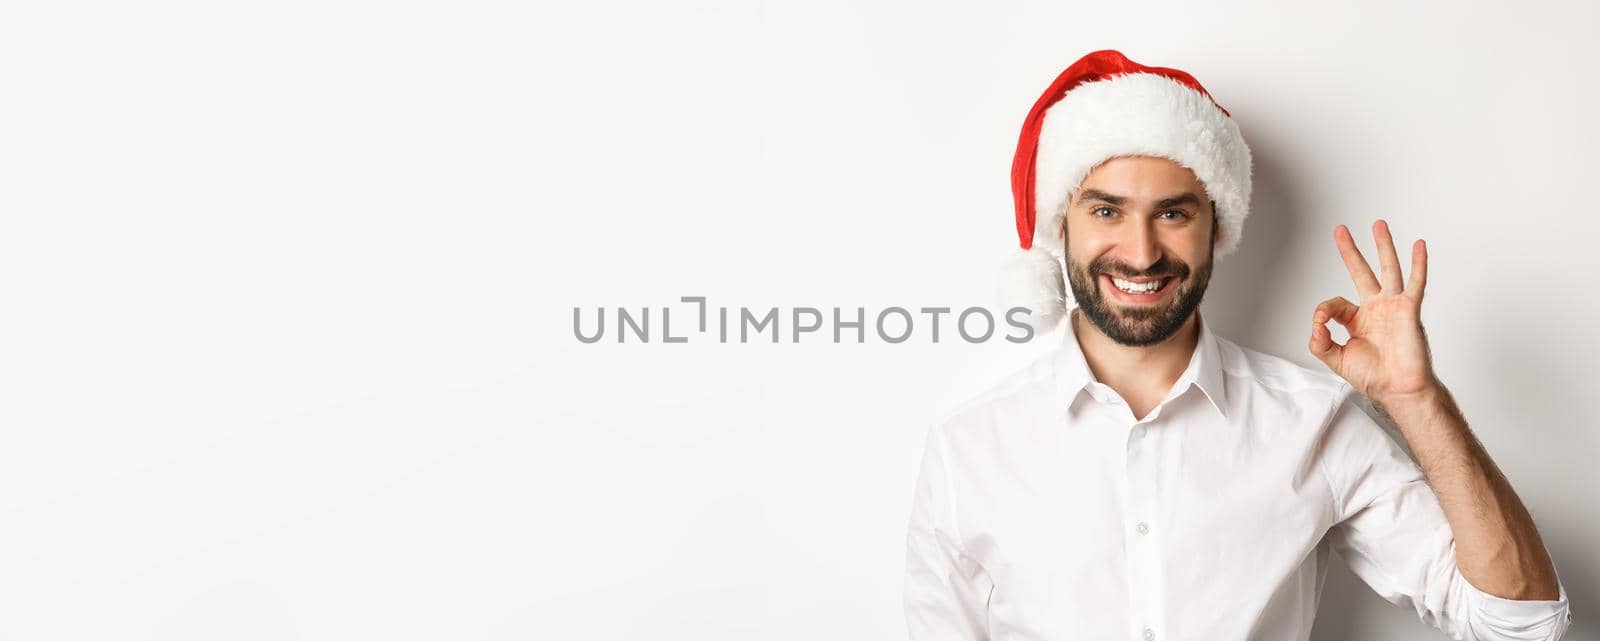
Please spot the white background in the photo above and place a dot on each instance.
(286, 291)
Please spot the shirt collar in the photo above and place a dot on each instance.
(1204, 370)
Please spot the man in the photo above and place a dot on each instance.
(1151, 480)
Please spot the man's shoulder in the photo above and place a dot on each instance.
(1022, 389)
(1273, 373)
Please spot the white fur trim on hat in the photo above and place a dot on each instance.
(1032, 279)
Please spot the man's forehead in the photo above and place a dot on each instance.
(1139, 178)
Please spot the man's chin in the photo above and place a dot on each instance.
(1134, 324)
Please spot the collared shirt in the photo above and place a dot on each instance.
(1044, 510)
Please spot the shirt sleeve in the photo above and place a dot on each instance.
(1392, 532)
(946, 592)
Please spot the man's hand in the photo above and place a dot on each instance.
(1386, 358)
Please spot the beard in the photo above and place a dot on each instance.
(1140, 325)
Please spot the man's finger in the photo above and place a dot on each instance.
(1323, 347)
(1388, 260)
(1360, 272)
(1419, 269)
(1338, 309)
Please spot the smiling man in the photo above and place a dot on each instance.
(1150, 479)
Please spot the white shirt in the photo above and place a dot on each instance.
(1045, 511)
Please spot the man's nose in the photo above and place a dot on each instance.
(1140, 246)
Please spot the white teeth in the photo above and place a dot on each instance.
(1136, 288)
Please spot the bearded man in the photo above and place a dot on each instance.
(1151, 480)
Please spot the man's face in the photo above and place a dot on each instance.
(1147, 220)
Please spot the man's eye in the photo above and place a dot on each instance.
(1180, 214)
(1097, 210)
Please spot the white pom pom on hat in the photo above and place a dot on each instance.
(1101, 107)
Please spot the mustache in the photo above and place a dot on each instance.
(1161, 269)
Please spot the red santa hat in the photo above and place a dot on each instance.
(1101, 107)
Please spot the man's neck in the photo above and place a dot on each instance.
(1141, 375)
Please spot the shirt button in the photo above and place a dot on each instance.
(1144, 529)
(1138, 432)
(1149, 634)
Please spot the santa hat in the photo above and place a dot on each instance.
(1104, 106)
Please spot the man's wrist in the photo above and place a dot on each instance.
(1432, 392)
(1415, 410)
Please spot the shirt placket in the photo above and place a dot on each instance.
(1141, 529)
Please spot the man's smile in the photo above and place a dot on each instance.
(1138, 291)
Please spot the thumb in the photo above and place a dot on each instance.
(1322, 345)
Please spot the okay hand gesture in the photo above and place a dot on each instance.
(1387, 355)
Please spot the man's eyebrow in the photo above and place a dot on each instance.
(1186, 198)
(1095, 194)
